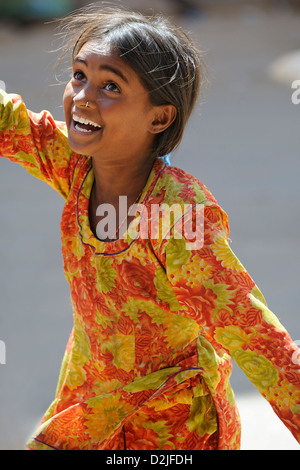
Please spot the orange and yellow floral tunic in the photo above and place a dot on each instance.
(148, 362)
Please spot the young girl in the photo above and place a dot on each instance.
(157, 318)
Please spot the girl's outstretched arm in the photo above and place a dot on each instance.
(37, 142)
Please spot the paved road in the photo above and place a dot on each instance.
(243, 142)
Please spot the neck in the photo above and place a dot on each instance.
(113, 181)
(123, 179)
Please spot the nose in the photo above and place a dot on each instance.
(84, 99)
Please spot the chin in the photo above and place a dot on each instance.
(77, 147)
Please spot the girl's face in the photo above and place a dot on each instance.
(118, 122)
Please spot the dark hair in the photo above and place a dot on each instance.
(162, 55)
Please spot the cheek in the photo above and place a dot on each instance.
(67, 102)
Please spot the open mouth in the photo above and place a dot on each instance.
(85, 125)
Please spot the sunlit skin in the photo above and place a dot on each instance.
(119, 103)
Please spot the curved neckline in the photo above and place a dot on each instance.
(82, 208)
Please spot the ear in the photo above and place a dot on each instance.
(164, 116)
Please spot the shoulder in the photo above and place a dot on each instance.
(194, 191)
(176, 186)
(181, 187)
(189, 199)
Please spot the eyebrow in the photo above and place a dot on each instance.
(107, 67)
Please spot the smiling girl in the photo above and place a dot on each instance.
(106, 105)
(156, 323)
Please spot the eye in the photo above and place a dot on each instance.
(78, 75)
(112, 87)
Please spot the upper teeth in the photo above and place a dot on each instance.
(84, 121)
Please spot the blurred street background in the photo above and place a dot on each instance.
(243, 142)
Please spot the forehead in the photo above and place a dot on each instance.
(100, 55)
(96, 47)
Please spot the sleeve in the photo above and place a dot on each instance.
(214, 289)
(36, 142)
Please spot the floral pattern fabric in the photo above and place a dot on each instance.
(148, 362)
